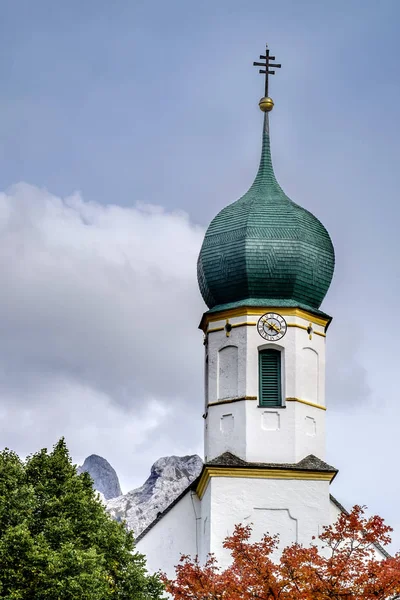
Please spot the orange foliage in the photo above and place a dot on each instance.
(342, 566)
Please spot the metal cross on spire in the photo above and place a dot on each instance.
(267, 64)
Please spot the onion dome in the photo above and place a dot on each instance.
(265, 250)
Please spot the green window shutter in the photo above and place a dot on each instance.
(270, 378)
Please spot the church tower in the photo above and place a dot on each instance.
(264, 269)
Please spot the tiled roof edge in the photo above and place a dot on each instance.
(227, 459)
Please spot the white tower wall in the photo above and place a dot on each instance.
(297, 510)
(234, 420)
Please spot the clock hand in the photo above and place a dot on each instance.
(272, 326)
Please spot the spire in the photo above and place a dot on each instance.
(265, 175)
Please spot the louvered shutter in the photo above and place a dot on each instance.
(270, 378)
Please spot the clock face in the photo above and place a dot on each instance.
(272, 327)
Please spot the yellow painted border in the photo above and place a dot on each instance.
(252, 323)
(314, 404)
(297, 325)
(215, 329)
(306, 329)
(319, 333)
(250, 311)
(249, 323)
(261, 473)
(230, 400)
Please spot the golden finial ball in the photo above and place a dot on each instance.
(266, 104)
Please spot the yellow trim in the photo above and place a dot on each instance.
(249, 311)
(232, 325)
(296, 325)
(215, 329)
(306, 329)
(252, 323)
(230, 400)
(261, 473)
(314, 404)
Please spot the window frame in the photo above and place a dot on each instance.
(279, 403)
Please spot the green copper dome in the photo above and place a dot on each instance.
(264, 249)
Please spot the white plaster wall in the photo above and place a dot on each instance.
(334, 511)
(178, 532)
(270, 433)
(308, 365)
(216, 342)
(260, 434)
(310, 435)
(205, 526)
(296, 509)
(228, 372)
(206, 381)
(225, 430)
(284, 435)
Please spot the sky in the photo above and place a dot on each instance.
(124, 128)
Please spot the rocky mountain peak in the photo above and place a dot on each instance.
(175, 467)
(105, 479)
(169, 477)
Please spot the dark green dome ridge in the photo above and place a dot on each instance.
(265, 246)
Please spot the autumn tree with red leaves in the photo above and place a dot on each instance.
(344, 565)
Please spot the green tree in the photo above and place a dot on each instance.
(56, 540)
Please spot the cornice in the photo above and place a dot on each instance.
(246, 311)
(307, 402)
(255, 398)
(260, 473)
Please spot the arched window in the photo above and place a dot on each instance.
(270, 384)
(228, 372)
(309, 375)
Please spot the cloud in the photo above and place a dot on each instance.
(99, 310)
